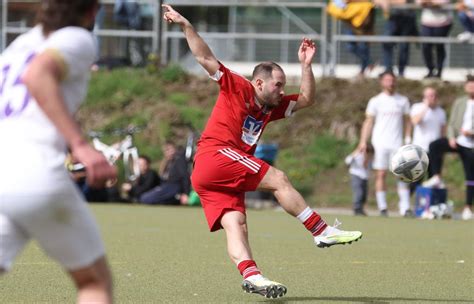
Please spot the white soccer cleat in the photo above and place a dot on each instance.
(264, 287)
(333, 236)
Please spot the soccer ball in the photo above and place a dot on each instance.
(409, 163)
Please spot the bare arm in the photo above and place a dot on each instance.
(417, 118)
(408, 129)
(366, 132)
(42, 78)
(306, 54)
(199, 48)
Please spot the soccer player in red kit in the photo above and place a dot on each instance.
(224, 166)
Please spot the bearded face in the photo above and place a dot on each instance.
(271, 89)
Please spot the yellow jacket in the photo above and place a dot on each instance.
(355, 13)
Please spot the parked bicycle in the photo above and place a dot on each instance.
(122, 149)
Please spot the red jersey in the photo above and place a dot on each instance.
(236, 120)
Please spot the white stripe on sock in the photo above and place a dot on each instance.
(305, 214)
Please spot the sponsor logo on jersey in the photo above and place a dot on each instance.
(251, 130)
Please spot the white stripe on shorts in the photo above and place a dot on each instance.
(244, 160)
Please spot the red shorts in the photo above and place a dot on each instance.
(222, 177)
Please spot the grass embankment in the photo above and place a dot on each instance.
(312, 144)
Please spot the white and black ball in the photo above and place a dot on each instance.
(409, 163)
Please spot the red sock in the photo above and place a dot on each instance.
(315, 224)
(248, 268)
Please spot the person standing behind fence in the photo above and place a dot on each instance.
(399, 22)
(44, 75)
(465, 9)
(359, 19)
(360, 164)
(387, 118)
(435, 22)
(429, 121)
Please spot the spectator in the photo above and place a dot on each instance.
(359, 19)
(399, 22)
(47, 70)
(460, 140)
(435, 22)
(147, 180)
(175, 183)
(387, 116)
(102, 194)
(360, 163)
(465, 10)
(429, 121)
(98, 25)
(128, 14)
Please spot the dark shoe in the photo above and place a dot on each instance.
(360, 212)
(409, 214)
(384, 213)
(429, 75)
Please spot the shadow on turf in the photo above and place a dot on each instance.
(377, 300)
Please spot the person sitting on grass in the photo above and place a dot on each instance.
(175, 184)
(148, 179)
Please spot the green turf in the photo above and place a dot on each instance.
(167, 255)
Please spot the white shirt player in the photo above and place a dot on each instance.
(388, 112)
(429, 128)
(37, 196)
(23, 126)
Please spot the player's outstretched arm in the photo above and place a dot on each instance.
(199, 48)
(42, 78)
(306, 54)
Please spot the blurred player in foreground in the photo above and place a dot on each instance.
(44, 76)
(225, 167)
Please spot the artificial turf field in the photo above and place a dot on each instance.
(167, 255)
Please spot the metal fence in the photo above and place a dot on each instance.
(244, 31)
(19, 16)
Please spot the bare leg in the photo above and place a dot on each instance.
(235, 226)
(293, 203)
(287, 196)
(94, 283)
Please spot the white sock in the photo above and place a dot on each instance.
(254, 277)
(381, 200)
(305, 214)
(404, 195)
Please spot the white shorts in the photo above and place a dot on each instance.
(382, 158)
(58, 218)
